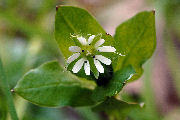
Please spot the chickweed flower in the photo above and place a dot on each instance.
(88, 51)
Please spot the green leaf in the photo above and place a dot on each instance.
(136, 39)
(114, 85)
(87, 113)
(49, 85)
(116, 109)
(75, 21)
(72, 21)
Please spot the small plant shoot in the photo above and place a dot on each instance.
(96, 65)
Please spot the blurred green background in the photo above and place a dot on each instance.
(27, 40)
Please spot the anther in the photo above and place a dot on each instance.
(93, 56)
(82, 50)
(108, 34)
(85, 61)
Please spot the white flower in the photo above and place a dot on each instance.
(88, 51)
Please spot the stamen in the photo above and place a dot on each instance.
(119, 54)
(82, 50)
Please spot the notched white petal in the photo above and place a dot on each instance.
(75, 49)
(87, 67)
(73, 57)
(82, 40)
(90, 39)
(103, 59)
(98, 66)
(78, 65)
(106, 49)
(99, 43)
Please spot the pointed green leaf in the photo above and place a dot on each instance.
(116, 109)
(49, 85)
(72, 21)
(136, 39)
(75, 21)
(114, 85)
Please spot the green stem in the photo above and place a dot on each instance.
(148, 94)
(7, 93)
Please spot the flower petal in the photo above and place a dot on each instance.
(78, 65)
(73, 57)
(75, 49)
(106, 49)
(98, 66)
(87, 67)
(82, 40)
(91, 39)
(103, 59)
(99, 43)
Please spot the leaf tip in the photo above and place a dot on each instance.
(57, 6)
(154, 11)
(12, 90)
(142, 104)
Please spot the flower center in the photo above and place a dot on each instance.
(88, 50)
